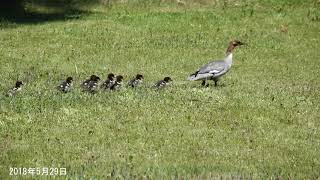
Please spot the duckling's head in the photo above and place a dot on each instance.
(139, 77)
(94, 78)
(119, 78)
(69, 80)
(18, 84)
(110, 76)
(167, 79)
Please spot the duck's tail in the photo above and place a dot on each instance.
(193, 76)
(196, 76)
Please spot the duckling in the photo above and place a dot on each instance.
(118, 83)
(66, 85)
(109, 82)
(90, 85)
(16, 89)
(136, 80)
(162, 83)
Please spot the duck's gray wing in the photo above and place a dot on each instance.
(209, 70)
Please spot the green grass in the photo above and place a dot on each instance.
(261, 122)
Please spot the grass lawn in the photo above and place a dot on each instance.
(261, 122)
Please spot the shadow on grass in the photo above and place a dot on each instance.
(40, 15)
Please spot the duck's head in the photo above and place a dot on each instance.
(233, 44)
(236, 43)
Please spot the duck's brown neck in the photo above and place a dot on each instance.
(230, 49)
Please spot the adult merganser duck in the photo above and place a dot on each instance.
(162, 83)
(108, 82)
(118, 83)
(90, 85)
(14, 90)
(215, 69)
(136, 80)
(66, 85)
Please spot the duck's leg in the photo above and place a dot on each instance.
(215, 82)
(203, 83)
